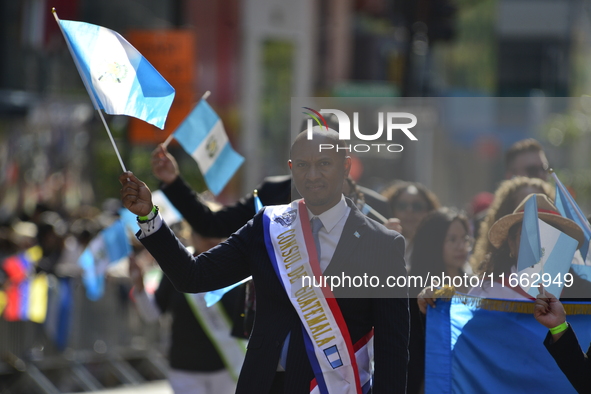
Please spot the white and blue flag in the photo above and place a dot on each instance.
(110, 245)
(203, 136)
(258, 205)
(117, 77)
(530, 248)
(568, 208)
(212, 297)
(543, 250)
(167, 210)
(471, 349)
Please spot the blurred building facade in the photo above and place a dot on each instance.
(254, 55)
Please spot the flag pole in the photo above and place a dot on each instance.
(88, 90)
(171, 136)
(112, 140)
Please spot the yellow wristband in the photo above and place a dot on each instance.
(558, 329)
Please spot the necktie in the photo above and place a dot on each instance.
(316, 224)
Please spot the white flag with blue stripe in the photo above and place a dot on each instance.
(203, 136)
(529, 246)
(556, 255)
(117, 77)
(167, 210)
(110, 245)
(568, 208)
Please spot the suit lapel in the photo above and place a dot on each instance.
(353, 231)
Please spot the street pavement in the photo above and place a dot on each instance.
(155, 387)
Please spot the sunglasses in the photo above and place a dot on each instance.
(413, 206)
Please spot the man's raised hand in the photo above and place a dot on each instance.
(164, 166)
(135, 195)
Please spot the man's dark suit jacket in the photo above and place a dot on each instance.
(365, 247)
(273, 191)
(190, 348)
(570, 358)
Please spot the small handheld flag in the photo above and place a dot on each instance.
(110, 245)
(202, 135)
(544, 252)
(118, 78)
(529, 246)
(167, 210)
(258, 205)
(570, 209)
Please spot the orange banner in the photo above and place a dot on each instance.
(173, 54)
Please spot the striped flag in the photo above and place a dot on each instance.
(496, 347)
(26, 294)
(117, 77)
(557, 251)
(110, 245)
(258, 205)
(568, 208)
(529, 247)
(202, 135)
(543, 250)
(169, 213)
(212, 297)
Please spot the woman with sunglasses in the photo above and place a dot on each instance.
(410, 203)
(505, 237)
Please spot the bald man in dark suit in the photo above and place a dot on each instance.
(362, 246)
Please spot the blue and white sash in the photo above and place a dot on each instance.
(338, 366)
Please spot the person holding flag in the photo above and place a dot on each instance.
(203, 357)
(272, 191)
(306, 339)
(518, 243)
(518, 239)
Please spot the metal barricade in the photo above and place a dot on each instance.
(107, 346)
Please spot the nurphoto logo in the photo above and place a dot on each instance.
(393, 125)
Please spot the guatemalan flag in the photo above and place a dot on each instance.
(494, 346)
(568, 208)
(110, 245)
(543, 249)
(203, 136)
(117, 77)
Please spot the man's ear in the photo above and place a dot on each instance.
(347, 165)
(289, 164)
